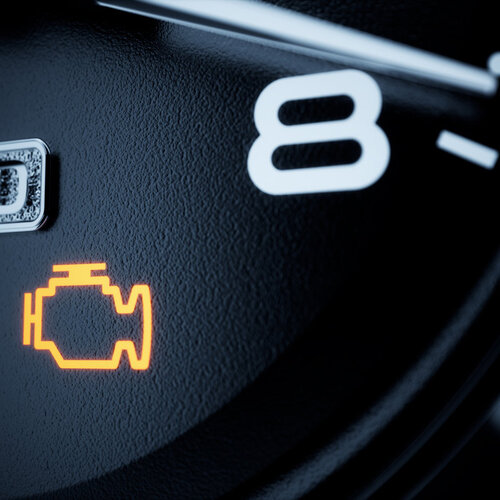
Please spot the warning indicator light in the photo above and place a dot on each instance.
(82, 275)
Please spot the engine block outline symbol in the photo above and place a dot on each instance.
(81, 275)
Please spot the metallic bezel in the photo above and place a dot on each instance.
(13, 227)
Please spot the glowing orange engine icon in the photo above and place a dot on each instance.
(81, 275)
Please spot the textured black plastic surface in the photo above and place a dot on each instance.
(274, 318)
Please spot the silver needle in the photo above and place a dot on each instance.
(290, 29)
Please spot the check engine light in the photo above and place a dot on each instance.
(81, 275)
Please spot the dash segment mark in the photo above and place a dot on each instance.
(467, 149)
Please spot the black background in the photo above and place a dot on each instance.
(289, 331)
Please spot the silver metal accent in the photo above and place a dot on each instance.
(287, 29)
(23, 167)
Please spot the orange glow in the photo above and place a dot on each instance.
(79, 275)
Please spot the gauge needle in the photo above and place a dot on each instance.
(289, 29)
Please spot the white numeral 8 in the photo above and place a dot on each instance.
(359, 126)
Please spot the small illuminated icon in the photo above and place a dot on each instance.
(22, 185)
(82, 275)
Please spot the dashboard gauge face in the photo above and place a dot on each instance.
(261, 259)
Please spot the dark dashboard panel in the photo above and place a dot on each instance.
(293, 337)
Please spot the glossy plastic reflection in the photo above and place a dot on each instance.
(80, 275)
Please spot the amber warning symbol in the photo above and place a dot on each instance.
(82, 275)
